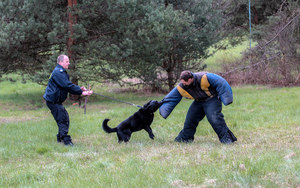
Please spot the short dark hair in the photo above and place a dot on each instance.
(186, 75)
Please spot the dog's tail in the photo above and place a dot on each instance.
(106, 128)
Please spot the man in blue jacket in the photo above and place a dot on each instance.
(56, 93)
(207, 90)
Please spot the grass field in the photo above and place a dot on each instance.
(265, 120)
(232, 54)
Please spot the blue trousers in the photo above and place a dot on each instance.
(212, 110)
(61, 117)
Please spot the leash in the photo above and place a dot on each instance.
(117, 100)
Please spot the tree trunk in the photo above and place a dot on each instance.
(170, 73)
(72, 20)
(255, 20)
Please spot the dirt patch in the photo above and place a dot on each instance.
(17, 119)
(10, 106)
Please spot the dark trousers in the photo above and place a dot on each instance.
(212, 110)
(61, 117)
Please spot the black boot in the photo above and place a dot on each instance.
(69, 144)
(182, 138)
(228, 138)
(58, 138)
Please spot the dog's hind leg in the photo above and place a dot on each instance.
(125, 136)
(149, 130)
(128, 133)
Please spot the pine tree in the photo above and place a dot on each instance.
(151, 40)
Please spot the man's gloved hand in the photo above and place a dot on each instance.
(85, 93)
(83, 88)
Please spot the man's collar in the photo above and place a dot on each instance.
(194, 79)
(60, 67)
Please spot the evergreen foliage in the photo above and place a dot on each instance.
(148, 40)
(29, 30)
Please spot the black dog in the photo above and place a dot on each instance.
(141, 119)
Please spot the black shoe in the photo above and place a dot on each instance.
(178, 139)
(58, 140)
(228, 138)
(69, 144)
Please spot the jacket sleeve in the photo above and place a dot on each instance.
(223, 88)
(169, 103)
(62, 81)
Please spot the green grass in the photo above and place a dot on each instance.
(265, 120)
(232, 54)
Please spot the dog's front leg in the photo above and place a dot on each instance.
(149, 130)
(120, 139)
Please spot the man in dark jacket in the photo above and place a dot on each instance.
(207, 90)
(56, 93)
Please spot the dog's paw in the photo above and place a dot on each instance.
(152, 137)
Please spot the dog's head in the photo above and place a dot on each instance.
(152, 106)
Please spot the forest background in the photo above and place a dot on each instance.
(148, 43)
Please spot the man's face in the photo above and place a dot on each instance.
(187, 83)
(65, 63)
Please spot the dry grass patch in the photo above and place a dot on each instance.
(182, 184)
(180, 154)
(98, 142)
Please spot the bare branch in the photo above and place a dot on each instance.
(249, 66)
(264, 46)
(281, 30)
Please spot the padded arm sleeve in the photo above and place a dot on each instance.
(222, 87)
(169, 103)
